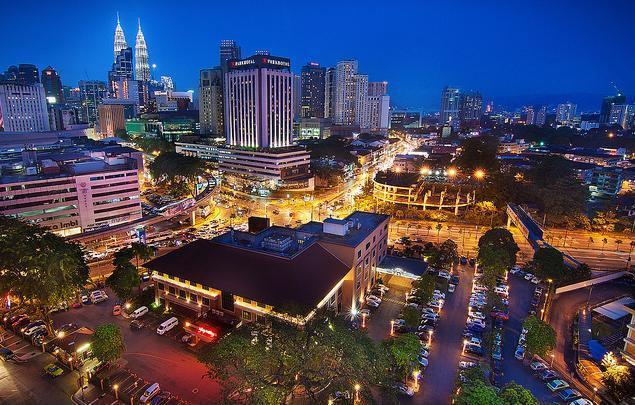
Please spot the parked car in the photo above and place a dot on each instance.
(472, 262)
(520, 353)
(556, 385)
(537, 365)
(463, 260)
(451, 288)
(136, 325)
(581, 401)
(403, 389)
(467, 364)
(116, 310)
(569, 394)
(85, 300)
(53, 370)
(423, 362)
(547, 374)
(454, 280)
(472, 349)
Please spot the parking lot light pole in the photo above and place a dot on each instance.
(430, 337)
(363, 319)
(464, 344)
(595, 391)
(416, 374)
(357, 387)
(116, 388)
(392, 327)
(553, 356)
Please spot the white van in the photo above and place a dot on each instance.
(98, 296)
(139, 312)
(167, 325)
(150, 393)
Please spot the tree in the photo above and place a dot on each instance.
(438, 227)
(39, 267)
(548, 262)
(107, 343)
(173, 168)
(604, 242)
(514, 394)
(477, 393)
(141, 251)
(412, 316)
(618, 242)
(540, 337)
(496, 254)
(429, 228)
(404, 350)
(125, 277)
(286, 359)
(444, 255)
(618, 378)
(425, 287)
(478, 153)
(589, 242)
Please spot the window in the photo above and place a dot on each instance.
(161, 286)
(373, 238)
(194, 297)
(373, 252)
(247, 315)
(367, 245)
(206, 301)
(182, 294)
(172, 290)
(359, 254)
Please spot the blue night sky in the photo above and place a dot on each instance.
(513, 52)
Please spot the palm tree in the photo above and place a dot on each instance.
(632, 244)
(429, 227)
(589, 242)
(617, 245)
(604, 242)
(438, 227)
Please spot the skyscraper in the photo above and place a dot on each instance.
(622, 115)
(168, 84)
(142, 67)
(52, 86)
(23, 74)
(378, 107)
(530, 115)
(210, 101)
(378, 88)
(120, 40)
(607, 104)
(258, 94)
(360, 107)
(345, 87)
(122, 69)
(313, 88)
(450, 106)
(470, 109)
(541, 116)
(565, 113)
(229, 49)
(330, 89)
(92, 92)
(23, 108)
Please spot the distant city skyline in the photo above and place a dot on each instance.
(414, 54)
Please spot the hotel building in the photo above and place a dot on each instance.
(73, 190)
(277, 272)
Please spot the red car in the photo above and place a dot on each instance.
(76, 304)
(500, 315)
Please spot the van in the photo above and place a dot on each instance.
(167, 325)
(139, 312)
(150, 393)
(98, 296)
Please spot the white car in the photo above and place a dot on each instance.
(444, 274)
(383, 288)
(373, 297)
(467, 364)
(451, 288)
(439, 293)
(515, 269)
(33, 330)
(372, 304)
(477, 315)
(427, 310)
(535, 280)
(436, 304)
(475, 341)
(520, 353)
(424, 353)
(529, 276)
(477, 322)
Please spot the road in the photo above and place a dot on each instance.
(153, 357)
(445, 353)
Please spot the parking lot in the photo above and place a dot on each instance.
(379, 321)
(163, 359)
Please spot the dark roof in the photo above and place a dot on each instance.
(298, 282)
(413, 266)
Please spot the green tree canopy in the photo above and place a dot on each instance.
(39, 266)
(412, 316)
(444, 255)
(540, 337)
(171, 167)
(404, 350)
(477, 393)
(548, 263)
(425, 287)
(496, 253)
(478, 153)
(107, 343)
(514, 394)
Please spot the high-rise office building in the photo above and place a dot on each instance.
(122, 69)
(565, 113)
(379, 113)
(24, 74)
(297, 99)
(168, 83)
(312, 92)
(258, 94)
(470, 109)
(530, 115)
(210, 101)
(330, 90)
(92, 92)
(23, 108)
(120, 40)
(450, 107)
(541, 116)
(378, 88)
(111, 119)
(345, 92)
(229, 49)
(622, 115)
(142, 66)
(360, 107)
(52, 86)
(607, 104)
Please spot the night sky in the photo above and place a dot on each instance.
(514, 52)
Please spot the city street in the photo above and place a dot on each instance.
(445, 353)
(151, 356)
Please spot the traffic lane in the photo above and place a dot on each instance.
(520, 294)
(440, 377)
(26, 383)
(153, 357)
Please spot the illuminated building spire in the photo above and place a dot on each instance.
(120, 39)
(142, 67)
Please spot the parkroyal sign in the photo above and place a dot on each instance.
(260, 62)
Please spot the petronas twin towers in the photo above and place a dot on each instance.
(142, 66)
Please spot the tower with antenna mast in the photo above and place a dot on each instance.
(120, 39)
(142, 66)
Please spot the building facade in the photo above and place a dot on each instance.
(111, 119)
(119, 41)
(142, 65)
(565, 113)
(450, 107)
(122, 69)
(258, 95)
(92, 92)
(345, 92)
(210, 101)
(313, 89)
(52, 86)
(23, 108)
(330, 91)
(229, 49)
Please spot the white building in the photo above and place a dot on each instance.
(378, 107)
(345, 89)
(622, 115)
(259, 102)
(23, 108)
(360, 108)
(565, 113)
(210, 101)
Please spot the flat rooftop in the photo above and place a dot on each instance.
(299, 282)
(364, 223)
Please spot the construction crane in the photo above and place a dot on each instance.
(619, 93)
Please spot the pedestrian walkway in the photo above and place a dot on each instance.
(585, 317)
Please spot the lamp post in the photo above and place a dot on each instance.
(392, 327)
(116, 388)
(363, 319)
(553, 356)
(357, 387)
(415, 375)
(430, 337)
(464, 344)
(595, 391)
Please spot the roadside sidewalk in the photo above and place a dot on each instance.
(91, 395)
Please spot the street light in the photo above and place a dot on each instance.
(464, 344)
(430, 332)
(595, 391)
(357, 387)
(553, 356)
(116, 388)
(364, 320)
(416, 375)
(392, 327)
(479, 174)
